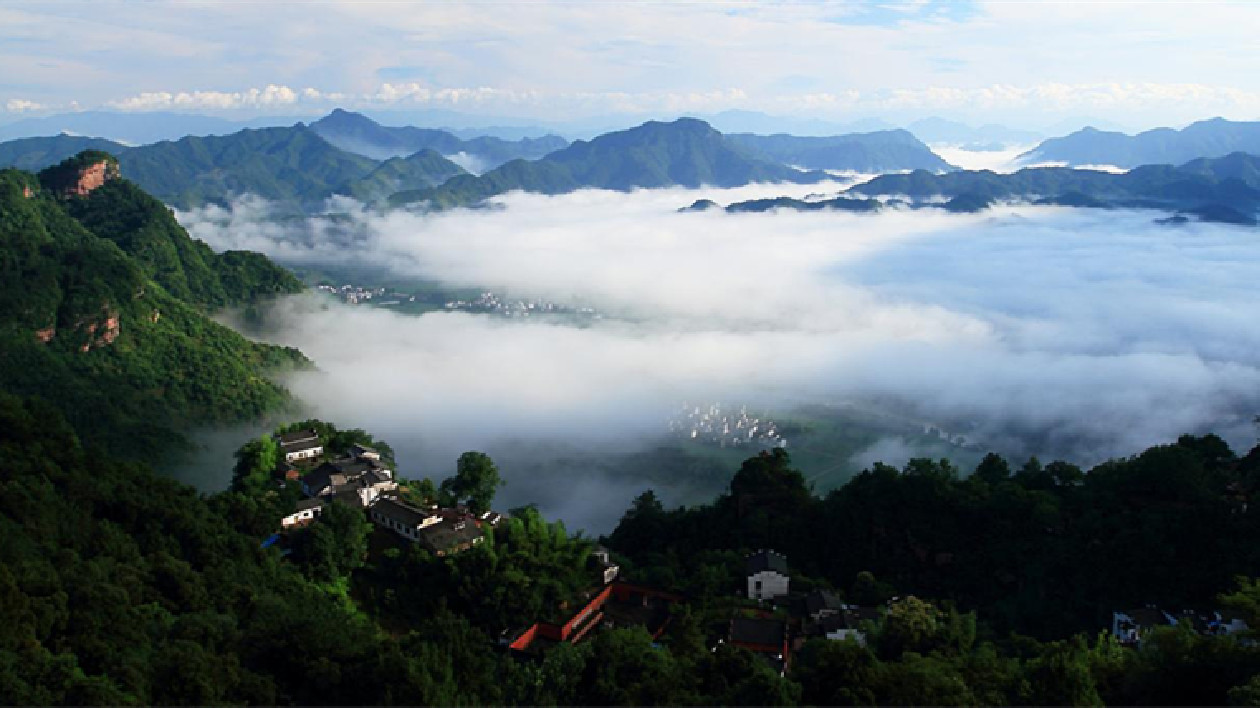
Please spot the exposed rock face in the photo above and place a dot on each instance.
(100, 334)
(46, 334)
(93, 176)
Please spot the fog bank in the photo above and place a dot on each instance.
(1057, 332)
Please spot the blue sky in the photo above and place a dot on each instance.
(1022, 63)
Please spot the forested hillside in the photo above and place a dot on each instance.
(103, 311)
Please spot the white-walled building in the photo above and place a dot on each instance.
(767, 573)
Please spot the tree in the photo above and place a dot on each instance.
(475, 482)
(993, 469)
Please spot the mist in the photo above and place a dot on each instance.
(1074, 334)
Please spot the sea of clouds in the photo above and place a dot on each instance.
(1080, 334)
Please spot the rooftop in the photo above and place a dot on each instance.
(766, 560)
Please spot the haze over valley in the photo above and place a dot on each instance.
(1042, 331)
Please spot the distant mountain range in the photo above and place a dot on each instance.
(1208, 138)
(355, 132)
(1225, 189)
(939, 131)
(134, 128)
(882, 151)
(304, 165)
(686, 152)
(291, 164)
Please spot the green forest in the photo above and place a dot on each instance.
(105, 307)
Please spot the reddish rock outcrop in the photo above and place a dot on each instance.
(101, 334)
(93, 176)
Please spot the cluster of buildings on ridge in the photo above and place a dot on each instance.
(796, 617)
(360, 479)
(821, 613)
(713, 426)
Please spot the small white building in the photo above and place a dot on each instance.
(402, 518)
(767, 573)
(300, 445)
(307, 511)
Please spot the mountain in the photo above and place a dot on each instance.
(1209, 138)
(941, 131)
(133, 128)
(1223, 189)
(686, 152)
(883, 151)
(424, 169)
(104, 304)
(355, 132)
(33, 154)
(291, 164)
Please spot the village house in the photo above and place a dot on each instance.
(607, 569)
(307, 511)
(767, 638)
(358, 481)
(617, 604)
(300, 445)
(402, 518)
(847, 624)
(767, 573)
(441, 531)
(823, 603)
(1131, 627)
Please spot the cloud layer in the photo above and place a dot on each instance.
(1057, 332)
(986, 60)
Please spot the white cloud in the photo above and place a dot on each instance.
(1167, 62)
(1083, 334)
(21, 105)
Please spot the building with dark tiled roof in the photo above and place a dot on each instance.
(766, 637)
(402, 518)
(767, 573)
(300, 445)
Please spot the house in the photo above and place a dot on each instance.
(300, 445)
(370, 453)
(490, 518)
(402, 518)
(848, 623)
(618, 604)
(767, 573)
(607, 569)
(1129, 626)
(355, 481)
(765, 637)
(307, 511)
(823, 603)
(452, 534)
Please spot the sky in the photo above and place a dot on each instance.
(1026, 64)
(1064, 333)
